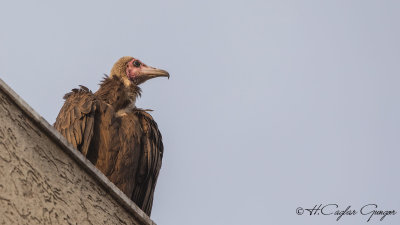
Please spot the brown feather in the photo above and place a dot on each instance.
(127, 148)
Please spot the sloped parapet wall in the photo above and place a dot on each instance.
(43, 180)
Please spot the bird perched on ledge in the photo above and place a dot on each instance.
(121, 140)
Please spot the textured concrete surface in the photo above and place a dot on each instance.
(43, 180)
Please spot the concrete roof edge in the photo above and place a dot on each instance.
(84, 163)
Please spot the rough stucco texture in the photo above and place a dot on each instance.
(40, 184)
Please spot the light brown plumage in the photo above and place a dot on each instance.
(121, 140)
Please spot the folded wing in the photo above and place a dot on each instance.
(75, 120)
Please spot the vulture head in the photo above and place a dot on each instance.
(134, 71)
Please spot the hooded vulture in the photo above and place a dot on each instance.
(121, 140)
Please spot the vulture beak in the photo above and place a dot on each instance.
(148, 73)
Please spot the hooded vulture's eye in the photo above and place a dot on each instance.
(136, 63)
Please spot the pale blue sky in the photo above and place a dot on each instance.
(271, 105)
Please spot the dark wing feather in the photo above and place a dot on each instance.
(138, 160)
(149, 164)
(75, 120)
(126, 161)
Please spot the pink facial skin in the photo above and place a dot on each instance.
(132, 71)
(138, 72)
